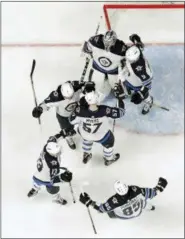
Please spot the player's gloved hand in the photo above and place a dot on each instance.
(118, 91)
(85, 199)
(162, 183)
(66, 176)
(89, 87)
(86, 48)
(37, 111)
(138, 96)
(136, 40)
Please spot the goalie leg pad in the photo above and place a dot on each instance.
(52, 189)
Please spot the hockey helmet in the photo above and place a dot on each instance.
(120, 188)
(109, 39)
(67, 90)
(92, 98)
(53, 148)
(132, 54)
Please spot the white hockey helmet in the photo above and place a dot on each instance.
(53, 148)
(92, 98)
(120, 188)
(132, 54)
(67, 90)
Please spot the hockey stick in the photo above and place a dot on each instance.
(72, 193)
(160, 106)
(70, 186)
(33, 88)
(87, 60)
(89, 212)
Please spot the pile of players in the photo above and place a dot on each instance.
(116, 67)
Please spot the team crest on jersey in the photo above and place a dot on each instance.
(70, 107)
(104, 61)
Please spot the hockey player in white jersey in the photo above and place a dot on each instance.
(107, 53)
(93, 125)
(137, 78)
(48, 172)
(129, 200)
(64, 99)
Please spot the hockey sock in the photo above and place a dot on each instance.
(108, 153)
(87, 146)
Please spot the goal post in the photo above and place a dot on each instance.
(163, 19)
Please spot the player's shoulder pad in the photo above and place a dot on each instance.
(97, 41)
(120, 47)
(57, 93)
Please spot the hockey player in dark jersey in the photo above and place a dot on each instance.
(64, 99)
(136, 77)
(93, 125)
(129, 200)
(107, 53)
(48, 172)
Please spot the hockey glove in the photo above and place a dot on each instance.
(118, 91)
(85, 199)
(162, 183)
(37, 111)
(89, 87)
(63, 177)
(87, 48)
(136, 40)
(139, 96)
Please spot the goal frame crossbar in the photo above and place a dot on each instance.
(106, 7)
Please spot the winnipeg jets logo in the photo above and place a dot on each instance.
(139, 68)
(105, 62)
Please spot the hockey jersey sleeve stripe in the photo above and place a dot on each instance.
(131, 86)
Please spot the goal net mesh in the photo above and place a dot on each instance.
(155, 22)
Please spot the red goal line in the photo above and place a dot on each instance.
(137, 6)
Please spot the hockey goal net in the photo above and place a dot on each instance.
(155, 22)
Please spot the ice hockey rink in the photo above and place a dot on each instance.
(151, 146)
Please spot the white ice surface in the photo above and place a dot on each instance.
(143, 160)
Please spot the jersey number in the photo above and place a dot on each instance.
(128, 211)
(91, 128)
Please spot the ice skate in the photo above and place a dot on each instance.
(147, 106)
(114, 159)
(32, 192)
(86, 157)
(59, 200)
(71, 142)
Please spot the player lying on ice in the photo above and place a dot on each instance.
(93, 124)
(128, 202)
(48, 172)
(107, 53)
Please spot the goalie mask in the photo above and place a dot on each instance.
(67, 90)
(109, 39)
(120, 188)
(133, 54)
